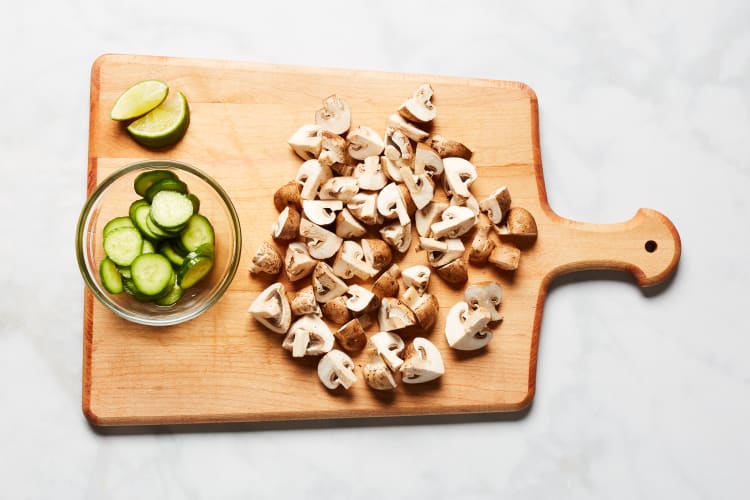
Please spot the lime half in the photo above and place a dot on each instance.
(164, 125)
(139, 100)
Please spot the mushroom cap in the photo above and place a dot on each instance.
(387, 284)
(286, 226)
(496, 205)
(458, 175)
(427, 160)
(336, 369)
(397, 235)
(326, 285)
(334, 116)
(322, 212)
(336, 311)
(447, 148)
(454, 273)
(311, 175)
(505, 257)
(377, 375)
(321, 243)
(359, 298)
(394, 315)
(425, 307)
(427, 216)
(304, 302)
(417, 277)
(481, 245)
(377, 253)
(363, 206)
(339, 188)
(454, 250)
(388, 346)
(520, 222)
(298, 262)
(419, 107)
(332, 150)
(288, 195)
(391, 204)
(455, 222)
(363, 142)
(369, 174)
(271, 309)
(266, 260)
(397, 122)
(347, 226)
(351, 335)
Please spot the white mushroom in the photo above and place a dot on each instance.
(427, 216)
(364, 206)
(271, 309)
(312, 175)
(306, 142)
(470, 202)
(427, 161)
(417, 277)
(339, 188)
(425, 306)
(266, 260)
(334, 115)
(332, 150)
(347, 226)
(455, 222)
(432, 244)
(377, 375)
(458, 175)
(304, 302)
(396, 235)
(496, 205)
(363, 142)
(481, 245)
(454, 250)
(422, 362)
(322, 212)
(391, 169)
(394, 315)
(465, 329)
(391, 204)
(286, 226)
(388, 346)
(359, 299)
(419, 107)
(321, 243)
(350, 261)
(326, 285)
(399, 148)
(298, 262)
(370, 174)
(377, 253)
(336, 369)
(308, 336)
(420, 186)
(397, 122)
(486, 296)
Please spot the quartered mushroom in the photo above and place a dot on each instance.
(417, 277)
(339, 188)
(425, 306)
(336, 311)
(364, 206)
(351, 335)
(427, 216)
(420, 187)
(286, 226)
(397, 122)
(396, 235)
(266, 260)
(321, 243)
(481, 245)
(394, 315)
(271, 309)
(369, 174)
(496, 205)
(470, 202)
(422, 362)
(311, 175)
(520, 223)
(458, 175)
(426, 160)
(298, 262)
(377, 375)
(391, 169)
(419, 107)
(466, 329)
(505, 257)
(359, 299)
(332, 151)
(363, 142)
(322, 212)
(399, 148)
(304, 302)
(288, 195)
(454, 249)
(334, 116)
(388, 346)
(454, 273)
(447, 148)
(391, 204)
(387, 284)
(326, 285)
(486, 296)
(347, 226)
(336, 369)
(377, 253)
(455, 222)
(308, 336)
(306, 141)
(350, 261)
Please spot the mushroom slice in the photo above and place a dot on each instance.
(459, 174)
(397, 122)
(333, 150)
(334, 116)
(422, 362)
(322, 212)
(419, 107)
(288, 195)
(399, 148)
(388, 346)
(364, 206)
(390, 169)
(336, 369)
(398, 236)
(481, 245)
(312, 175)
(271, 309)
(308, 336)
(351, 335)
(359, 298)
(486, 296)
(427, 161)
(266, 260)
(420, 186)
(394, 315)
(417, 277)
(306, 141)
(454, 250)
(496, 205)
(326, 285)
(377, 253)
(454, 273)
(298, 262)
(425, 306)
(377, 375)
(428, 215)
(505, 257)
(347, 226)
(471, 203)
(519, 222)
(391, 204)
(370, 174)
(321, 243)
(387, 284)
(455, 222)
(432, 244)
(465, 328)
(336, 311)
(363, 142)
(304, 302)
(447, 148)
(339, 188)
(286, 226)
(350, 261)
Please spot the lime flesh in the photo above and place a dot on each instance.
(164, 125)
(139, 100)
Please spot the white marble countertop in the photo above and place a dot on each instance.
(642, 104)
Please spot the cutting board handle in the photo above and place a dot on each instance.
(647, 246)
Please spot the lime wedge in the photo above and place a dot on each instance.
(139, 100)
(164, 125)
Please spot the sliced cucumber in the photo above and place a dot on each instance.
(194, 269)
(147, 179)
(123, 245)
(171, 209)
(198, 232)
(165, 185)
(125, 271)
(140, 219)
(172, 297)
(110, 276)
(134, 208)
(168, 251)
(159, 232)
(117, 223)
(152, 273)
(148, 247)
(196, 202)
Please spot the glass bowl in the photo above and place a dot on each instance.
(113, 197)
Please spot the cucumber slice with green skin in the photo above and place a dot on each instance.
(152, 273)
(117, 223)
(172, 232)
(193, 270)
(140, 219)
(134, 208)
(196, 202)
(165, 185)
(198, 232)
(148, 247)
(110, 276)
(172, 297)
(125, 271)
(131, 289)
(147, 179)
(171, 209)
(168, 251)
(159, 232)
(123, 245)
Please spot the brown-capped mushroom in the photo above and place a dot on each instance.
(419, 107)
(311, 175)
(519, 223)
(458, 175)
(454, 249)
(387, 284)
(351, 261)
(364, 207)
(496, 205)
(465, 329)
(455, 222)
(391, 204)
(286, 226)
(454, 273)
(425, 306)
(326, 285)
(420, 187)
(417, 277)
(396, 235)
(377, 253)
(341, 188)
(335, 311)
(308, 336)
(388, 346)
(266, 260)
(336, 369)
(369, 174)
(298, 262)
(447, 148)
(481, 245)
(377, 375)
(332, 151)
(394, 315)
(351, 335)
(422, 362)
(487, 296)
(322, 212)
(271, 309)
(427, 216)
(321, 243)
(288, 195)
(427, 161)
(397, 122)
(505, 257)
(347, 226)
(304, 302)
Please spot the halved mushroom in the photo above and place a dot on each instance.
(298, 262)
(363, 142)
(397, 122)
(334, 115)
(447, 148)
(396, 235)
(390, 169)
(350, 261)
(455, 222)
(422, 362)
(394, 315)
(505, 257)
(377, 253)
(454, 250)
(339, 188)
(271, 309)
(388, 346)
(306, 141)
(458, 175)
(419, 107)
(420, 186)
(347, 226)
(417, 277)
(486, 296)
(399, 148)
(288, 195)
(266, 260)
(377, 375)
(428, 215)
(333, 151)
(496, 205)
(454, 273)
(470, 202)
(370, 174)
(326, 285)
(308, 336)
(312, 175)
(351, 335)
(336, 369)
(335, 311)
(426, 160)
(519, 223)
(286, 226)
(387, 284)
(391, 204)
(364, 206)
(425, 306)
(304, 302)
(321, 243)
(359, 298)
(322, 212)
(481, 245)
(465, 329)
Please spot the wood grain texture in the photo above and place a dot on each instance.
(222, 366)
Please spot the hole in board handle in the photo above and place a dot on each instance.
(650, 246)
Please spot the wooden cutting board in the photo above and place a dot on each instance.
(222, 366)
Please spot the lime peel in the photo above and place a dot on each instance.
(163, 126)
(139, 99)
